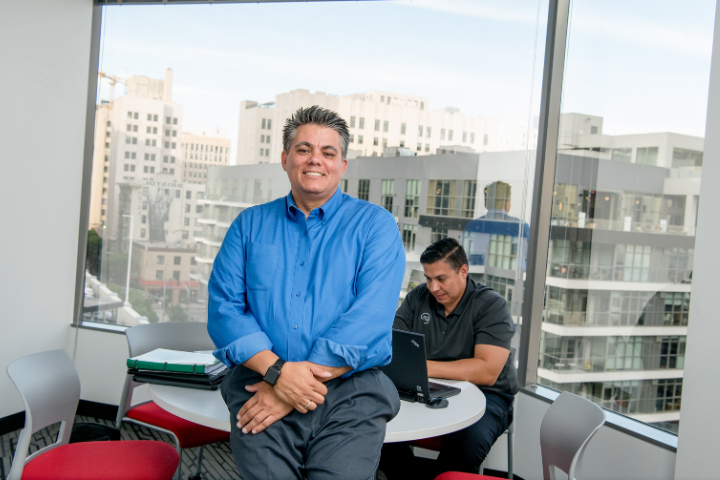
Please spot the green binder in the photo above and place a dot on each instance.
(162, 359)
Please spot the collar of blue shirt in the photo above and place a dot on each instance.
(325, 211)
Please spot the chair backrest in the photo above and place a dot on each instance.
(141, 339)
(566, 429)
(171, 335)
(50, 387)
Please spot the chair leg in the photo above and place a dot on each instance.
(510, 454)
(200, 459)
(179, 469)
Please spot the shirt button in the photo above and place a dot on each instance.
(302, 263)
(443, 332)
(295, 326)
(297, 294)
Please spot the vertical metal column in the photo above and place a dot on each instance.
(534, 286)
(94, 62)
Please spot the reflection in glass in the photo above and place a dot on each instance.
(625, 200)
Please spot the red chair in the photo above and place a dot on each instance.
(50, 388)
(185, 434)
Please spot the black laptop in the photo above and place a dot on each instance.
(408, 369)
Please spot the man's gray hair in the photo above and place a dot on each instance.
(315, 115)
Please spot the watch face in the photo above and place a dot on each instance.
(272, 375)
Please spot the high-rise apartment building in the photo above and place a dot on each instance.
(376, 120)
(142, 140)
(202, 147)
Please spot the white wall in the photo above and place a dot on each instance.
(697, 444)
(45, 54)
(610, 455)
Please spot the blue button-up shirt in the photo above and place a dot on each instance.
(322, 289)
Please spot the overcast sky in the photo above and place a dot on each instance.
(642, 65)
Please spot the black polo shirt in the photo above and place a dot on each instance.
(482, 317)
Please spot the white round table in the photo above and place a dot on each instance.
(413, 422)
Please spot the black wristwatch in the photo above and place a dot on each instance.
(273, 373)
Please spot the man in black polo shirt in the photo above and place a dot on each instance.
(467, 328)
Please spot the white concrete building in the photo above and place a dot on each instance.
(202, 148)
(376, 119)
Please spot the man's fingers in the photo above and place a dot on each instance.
(248, 405)
(254, 387)
(265, 424)
(249, 415)
(260, 416)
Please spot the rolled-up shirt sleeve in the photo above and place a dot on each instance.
(231, 323)
(361, 337)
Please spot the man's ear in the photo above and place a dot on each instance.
(283, 160)
(464, 271)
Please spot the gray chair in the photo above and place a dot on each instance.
(50, 387)
(173, 336)
(566, 429)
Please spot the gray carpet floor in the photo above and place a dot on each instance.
(217, 462)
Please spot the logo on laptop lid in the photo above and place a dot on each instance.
(425, 317)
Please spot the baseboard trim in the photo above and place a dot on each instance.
(86, 408)
(13, 422)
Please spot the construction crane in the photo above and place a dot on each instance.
(113, 80)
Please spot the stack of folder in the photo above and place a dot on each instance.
(178, 369)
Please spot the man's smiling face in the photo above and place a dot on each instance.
(314, 163)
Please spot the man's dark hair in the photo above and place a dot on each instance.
(447, 249)
(315, 116)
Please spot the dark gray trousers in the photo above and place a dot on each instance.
(341, 439)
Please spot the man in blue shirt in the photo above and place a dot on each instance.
(302, 298)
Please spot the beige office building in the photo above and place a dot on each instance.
(377, 120)
(203, 147)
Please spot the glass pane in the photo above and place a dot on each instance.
(630, 153)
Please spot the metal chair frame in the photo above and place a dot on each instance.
(174, 336)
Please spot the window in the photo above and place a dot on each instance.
(361, 123)
(167, 120)
(352, 122)
(384, 142)
(387, 194)
(412, 198)
(129, 127)
(427, 147)
(187, 208)
(647, 155)
(438, 234)
(428, 130)
(685, 158)
(143, 219)
(158, 274)
(375, 141)
(420, 131)
(408, 236)
(186, 221)
(442, 134)
(450, 135)
(174, 133)
(175, 120)
(149, 117)
(267, 139)
(344, 185)
(161, 259)
(269, 123)
(176, 275)
(386, 126)
(142, 233)
(198, 209)
(262, 138)
(444, 198)
(363, 189)
(262, 126)
(185, 234)
(621, 154)
(593, 130)
(360, 139)
(419, 147)
(377, 125)
(176, 260)
(188, 194)
(464, 137)
(403, 127)
(352, 138)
